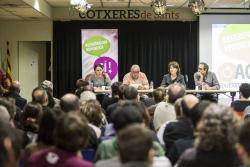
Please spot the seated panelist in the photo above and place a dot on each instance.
(136, 78)
(99, 78)
(173, 75)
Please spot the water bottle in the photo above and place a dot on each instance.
(151, 86)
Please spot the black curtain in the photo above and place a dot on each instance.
(149, 44)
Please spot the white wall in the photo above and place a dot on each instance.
(14, 31)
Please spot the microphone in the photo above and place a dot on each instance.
(186, 78)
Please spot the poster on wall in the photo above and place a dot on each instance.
(230, 54)
(100, 46)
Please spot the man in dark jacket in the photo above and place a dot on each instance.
(15, 94)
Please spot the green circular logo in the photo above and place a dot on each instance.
(96, 46)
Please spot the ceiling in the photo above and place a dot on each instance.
(22, 10)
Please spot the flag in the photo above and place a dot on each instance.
(8, 66)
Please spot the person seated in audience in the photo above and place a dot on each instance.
(86, 96)
(94, 113)
(125, 93)
(183, 127)
(81, 86)
(164, 111)
(48, 86)
(180, 145)
(99, 78)
(45, 137)
(215, 141)
(127, 113)
(243, 145)
(10, 144)
(159, 95)
(32, 113)
(239, 105)
(6, 84)
(135, 147)
(71, 135)
(70, 102)
(206, 80)
(14, 92)
(173, 76)
(115, 96)
(39, 95)
(136, 78)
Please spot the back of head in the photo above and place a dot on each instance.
(47, 126)
(115, 88)
(134, 143)
(217, 129)
(39, 95)
(122, 88)
(10, 144)
(4, 115)
(81, 82)
(87, 95)
(159, 94)
(9, 105)
(92, 110)
(245, 90)
(187, 104)
(130, 93)
(127, 113)
(72, 132)
(32, 114)
(47, 85)
(15, 87)
(69, 102)
(244, 136)
(175, 91)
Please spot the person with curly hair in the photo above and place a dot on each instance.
(216, 136)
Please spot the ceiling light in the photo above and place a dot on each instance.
(197, 6)
(159, 6)
(80, 5)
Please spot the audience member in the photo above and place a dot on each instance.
(165, 110)
(114, 98)
(70, 102)
(217, 133)
(239, 105)
(243, 145)
(183, 127)
(71, 134)
(125, 114)
(14, 92)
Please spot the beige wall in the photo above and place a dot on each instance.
(14, 31)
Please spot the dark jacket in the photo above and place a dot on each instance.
(20, 101)
(167, 80)
(198, 158)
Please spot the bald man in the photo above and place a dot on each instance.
(136, 78)
(14, 93)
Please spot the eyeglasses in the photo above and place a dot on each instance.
(200, 68)
(135, 71)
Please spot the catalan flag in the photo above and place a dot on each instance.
(8, 66)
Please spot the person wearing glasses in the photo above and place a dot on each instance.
(206, 80)
(99, 78)
(173, 75)
(136, 78)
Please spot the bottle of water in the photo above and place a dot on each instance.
(151, 86)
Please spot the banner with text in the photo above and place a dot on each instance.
(136, 14)
(100, 46)
(230, 54)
